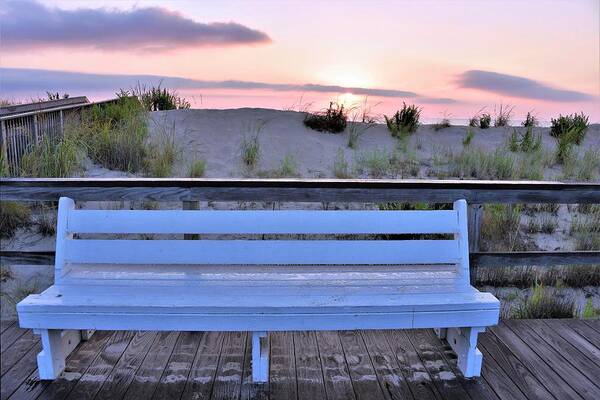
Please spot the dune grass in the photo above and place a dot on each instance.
(574, 126)
(341, 169)
(197, 169)
(574, 276)
(443, 124)
(530, 121)
(544, 304)
(53, 158)
(333, 119)
(585, 229)
(13, 216)
(157, 98)
(468, 137)
(500, 228)
(478, 164)
(405, 121)
(503, 116)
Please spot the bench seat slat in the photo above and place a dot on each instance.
(263, 251)
(262, 222)
(84, 299)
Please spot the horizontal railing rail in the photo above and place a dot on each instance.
(315, 190)
(298, 190)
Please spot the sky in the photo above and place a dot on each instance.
(451, 57)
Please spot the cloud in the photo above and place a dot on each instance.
(516, 86)
(24, 80)
(27, 24)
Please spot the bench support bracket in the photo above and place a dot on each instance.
(464, 343)
(56, 346)
(260, 357)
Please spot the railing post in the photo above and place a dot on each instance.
(191, 205)
(62, 124)
(35, 129)
(474, 217)
(4, 144)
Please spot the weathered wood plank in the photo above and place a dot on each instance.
(580, 342)
(439, 370)
(9, 336)
(15, 376)
(360, 368)
(14, 350)
(477, 388)
(204, 368)
(90, 383)
(410, 364)
(5, 324)
(282, 375)
(335, 371)
(569, 352)
(520, 378)
(574, 378)
(228, 379)
(311, 190)
(309, 372)
(148, 375)
(546, 375)
(115, 385)
(174, 377)
(497, 379)
(388, 373)
(27, 258)
(77, 363)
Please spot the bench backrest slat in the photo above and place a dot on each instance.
(263, 222)
(290, 252)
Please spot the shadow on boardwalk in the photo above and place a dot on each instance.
(527, 359)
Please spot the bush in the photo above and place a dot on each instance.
(503, 116)
(405, 121)
(443, 124)
(530, 121)
(156, 98)
(527, 142)
(543, 304)
(572, 126)
(564, 146)
(197, 169)
(12, 217)
(114, 134)
(53, 158)
(333, 119)
(485, 120)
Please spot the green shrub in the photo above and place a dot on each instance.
(340, 166)
(405, 121)
(161, 157)
(157, 98)
(12, 217)
(530, 121)
(53, 158)
(564, 146)
(197, 169)
(468, 137)
(574, 126)
(333, 119)
(500, 228)
(250, 148)
(543, 304)
(503, 116)
(114, 134)
(485, 121)
(443, 124)
(526, 142)
(589, 311)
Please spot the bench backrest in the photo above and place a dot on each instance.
(228, 251)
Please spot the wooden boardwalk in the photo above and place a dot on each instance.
(527, 359)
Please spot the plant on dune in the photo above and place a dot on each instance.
(530, 121)
(468, 137)
(360, 121)
(503, 116)
(443, 124)
(404, 121)
(589, 311)
(13, 216)
(500, 228)
(53, 158)
(197, 169)
(485, 120)
(543, 303)
(476, 163)
(375, 162)
(586, 231)
(340, 166)
(574, 126)
(526, 142)
(333, 119)
(157, 98)
(564, 145)
(113, 134)
(250, 146)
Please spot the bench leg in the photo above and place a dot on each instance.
(260, 357)
(464, 343)
(87, 334)
(441, 332)
(56, 346)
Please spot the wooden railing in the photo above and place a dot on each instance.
(322, 190)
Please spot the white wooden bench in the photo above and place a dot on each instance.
(226, 283)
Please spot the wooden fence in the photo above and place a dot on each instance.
(23, 126)
(190, 191)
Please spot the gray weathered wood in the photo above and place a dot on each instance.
(309, 190)
(474, 219)
(335, 371)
